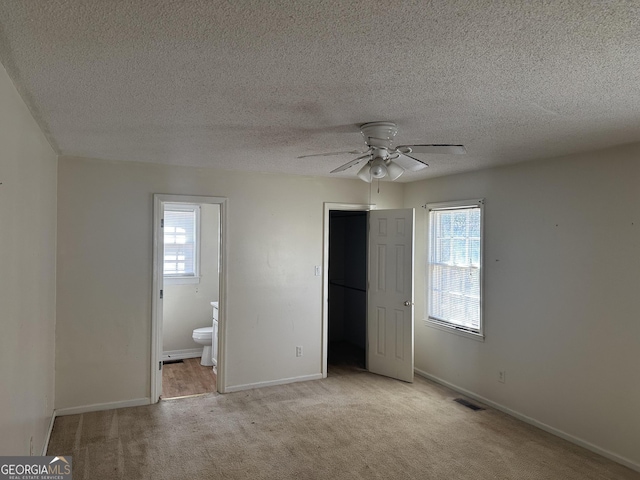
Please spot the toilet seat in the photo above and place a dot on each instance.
(203, 333)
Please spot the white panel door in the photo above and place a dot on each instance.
(390, 294)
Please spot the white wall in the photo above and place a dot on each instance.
(104, 278)
(562, 294)
(27, 283)
(186, 307)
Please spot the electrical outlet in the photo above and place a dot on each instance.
(502, 376)
(298, 351)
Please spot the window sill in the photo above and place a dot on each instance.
(456, 331)
(181, 280)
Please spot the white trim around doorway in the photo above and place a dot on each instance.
(158, 283)
(328, 207)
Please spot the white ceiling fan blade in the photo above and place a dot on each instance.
(351, 163)
(352, 152)
(434, 148)
(409, 163)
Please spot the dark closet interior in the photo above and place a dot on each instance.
(347, 289)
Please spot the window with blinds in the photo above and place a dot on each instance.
(181, 240)
(455, 265)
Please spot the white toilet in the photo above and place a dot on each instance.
(208, 336)
(204, 336)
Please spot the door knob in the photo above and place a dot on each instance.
(408, 303)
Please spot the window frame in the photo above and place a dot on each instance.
(439, 323)
(184, 279)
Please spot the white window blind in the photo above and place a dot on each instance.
(455, 257)
(180, 240)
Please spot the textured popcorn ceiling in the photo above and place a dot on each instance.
(251, 85)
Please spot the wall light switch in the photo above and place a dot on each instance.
(318, 270)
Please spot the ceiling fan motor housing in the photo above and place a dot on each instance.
(379, 134)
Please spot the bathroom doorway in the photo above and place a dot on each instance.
(188, 278)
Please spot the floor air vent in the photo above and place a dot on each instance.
(169, 362)
(468, 404)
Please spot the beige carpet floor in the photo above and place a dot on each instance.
(352, 425)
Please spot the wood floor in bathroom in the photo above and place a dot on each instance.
(187, 378)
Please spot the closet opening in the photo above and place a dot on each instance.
(347, 290)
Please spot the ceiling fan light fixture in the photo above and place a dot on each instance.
(378, 168)
(394, 170)
(365, 173)
(385, 160)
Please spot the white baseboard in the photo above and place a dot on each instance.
(48, 437)
(532, 421)
(181, 354)
(96, 407)
(271, 383)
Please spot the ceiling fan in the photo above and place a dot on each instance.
(383, 160)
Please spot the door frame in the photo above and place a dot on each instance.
(158, 284)
(328, 207)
